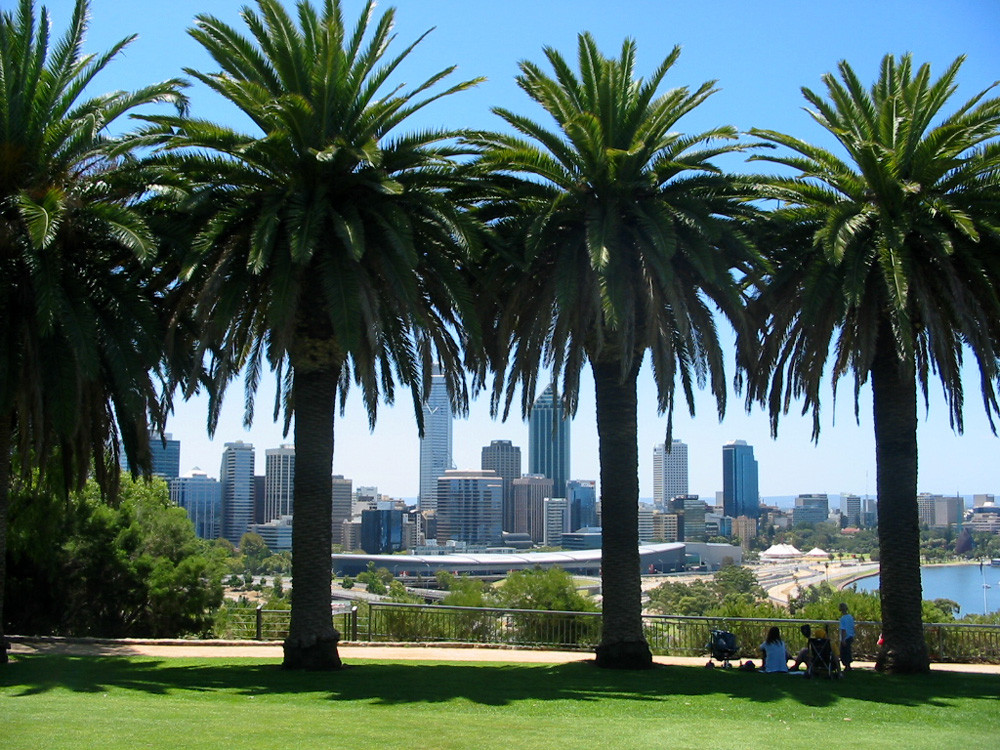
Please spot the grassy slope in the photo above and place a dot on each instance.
(73, 702)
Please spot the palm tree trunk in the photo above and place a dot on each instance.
(4, 505)
(312, 639)
(894, 396)
(623, 643)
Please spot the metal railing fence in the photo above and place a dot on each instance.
(514, 627)
(272, 624)
(667, 634)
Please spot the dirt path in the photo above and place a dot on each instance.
(22, 645)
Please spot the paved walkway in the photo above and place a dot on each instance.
(354, 651)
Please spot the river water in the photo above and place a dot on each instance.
(960, 583)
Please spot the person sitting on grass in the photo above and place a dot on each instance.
(803, 656)
(774, 655)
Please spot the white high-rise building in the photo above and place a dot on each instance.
(670, 472)
(236, 477)
(556, 521)
(435, 445)
(279, 481)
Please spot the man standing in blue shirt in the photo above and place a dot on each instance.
(846, 636)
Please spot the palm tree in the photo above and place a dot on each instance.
(329, 247)
(617, 236)
(81, 338)
(890, 256)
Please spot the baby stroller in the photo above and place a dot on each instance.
(822, 661)
(722, 646)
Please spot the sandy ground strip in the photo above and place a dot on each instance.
(351, 652)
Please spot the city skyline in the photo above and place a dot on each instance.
(760, 66)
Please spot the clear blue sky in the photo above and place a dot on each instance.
(761, 53)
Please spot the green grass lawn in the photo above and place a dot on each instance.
(109, 702)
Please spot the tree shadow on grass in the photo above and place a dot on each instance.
(411, 682)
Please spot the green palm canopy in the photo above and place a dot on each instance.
(886, 263)
(616, 236)
(81, 333)
(326, 245)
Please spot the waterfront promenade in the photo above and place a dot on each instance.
(785, 580)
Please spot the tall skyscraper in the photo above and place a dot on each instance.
(582, 497)
(435, 445)
(279, 482)
(342, 504)
(236, 477)
(740, 496)
(166, 456)
(670, 471)
(529, 493)
(504, 458)
(470, 507)
(201, 496)
(548, 441)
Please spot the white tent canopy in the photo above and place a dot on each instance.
(778, 551)
(817, 552)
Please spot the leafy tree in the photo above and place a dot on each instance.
(543, 588)
(467, 592)
(735, 580)
(397, 592)
(444, 579)
(329, 248)
(693, 599)
(732, 592)
(279, 563)
(616, 238)
(886, 259)
(253, 545)
(375, 579)
(949, 606)
(551, 589)
(991, 619)
(80, 343)
(132, 570)
(736, 606)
